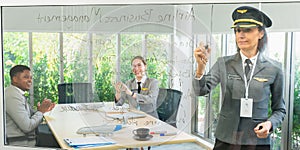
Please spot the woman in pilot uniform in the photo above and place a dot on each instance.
(249, 82)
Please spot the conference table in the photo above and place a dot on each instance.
(67, 120)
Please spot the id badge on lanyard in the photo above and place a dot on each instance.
(246, 107)
(247, 103)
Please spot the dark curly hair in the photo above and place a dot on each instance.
(17, 69)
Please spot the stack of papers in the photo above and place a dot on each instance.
(88, 141)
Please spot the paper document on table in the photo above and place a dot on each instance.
(126, 115)
(88, 141)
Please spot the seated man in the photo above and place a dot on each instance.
(21, 120)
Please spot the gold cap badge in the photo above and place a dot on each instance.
(242, 11)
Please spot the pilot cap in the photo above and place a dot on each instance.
(247, 17)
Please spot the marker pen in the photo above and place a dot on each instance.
(158, 132)
(168, 134)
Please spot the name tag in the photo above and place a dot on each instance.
(246, 107)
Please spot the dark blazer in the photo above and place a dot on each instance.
(266, 89)
(146, 98)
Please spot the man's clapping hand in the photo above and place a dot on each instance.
(45, 106)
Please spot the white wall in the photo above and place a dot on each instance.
(100, 18)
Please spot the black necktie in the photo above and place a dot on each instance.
(139, 86)
(247, 67)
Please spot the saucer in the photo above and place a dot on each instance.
(143, 139)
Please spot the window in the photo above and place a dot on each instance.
(296, 105)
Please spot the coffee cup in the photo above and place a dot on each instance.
(141, 132)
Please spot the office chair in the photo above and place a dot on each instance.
(45, 138)
(168, 101)
(75, 93)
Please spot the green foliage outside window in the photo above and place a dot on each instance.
(104, 74)
(46, 62)
(15, 46)
(296, 112)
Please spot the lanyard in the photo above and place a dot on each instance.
(248, 83)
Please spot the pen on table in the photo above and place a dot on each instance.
(168, 134)
(157, 132)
